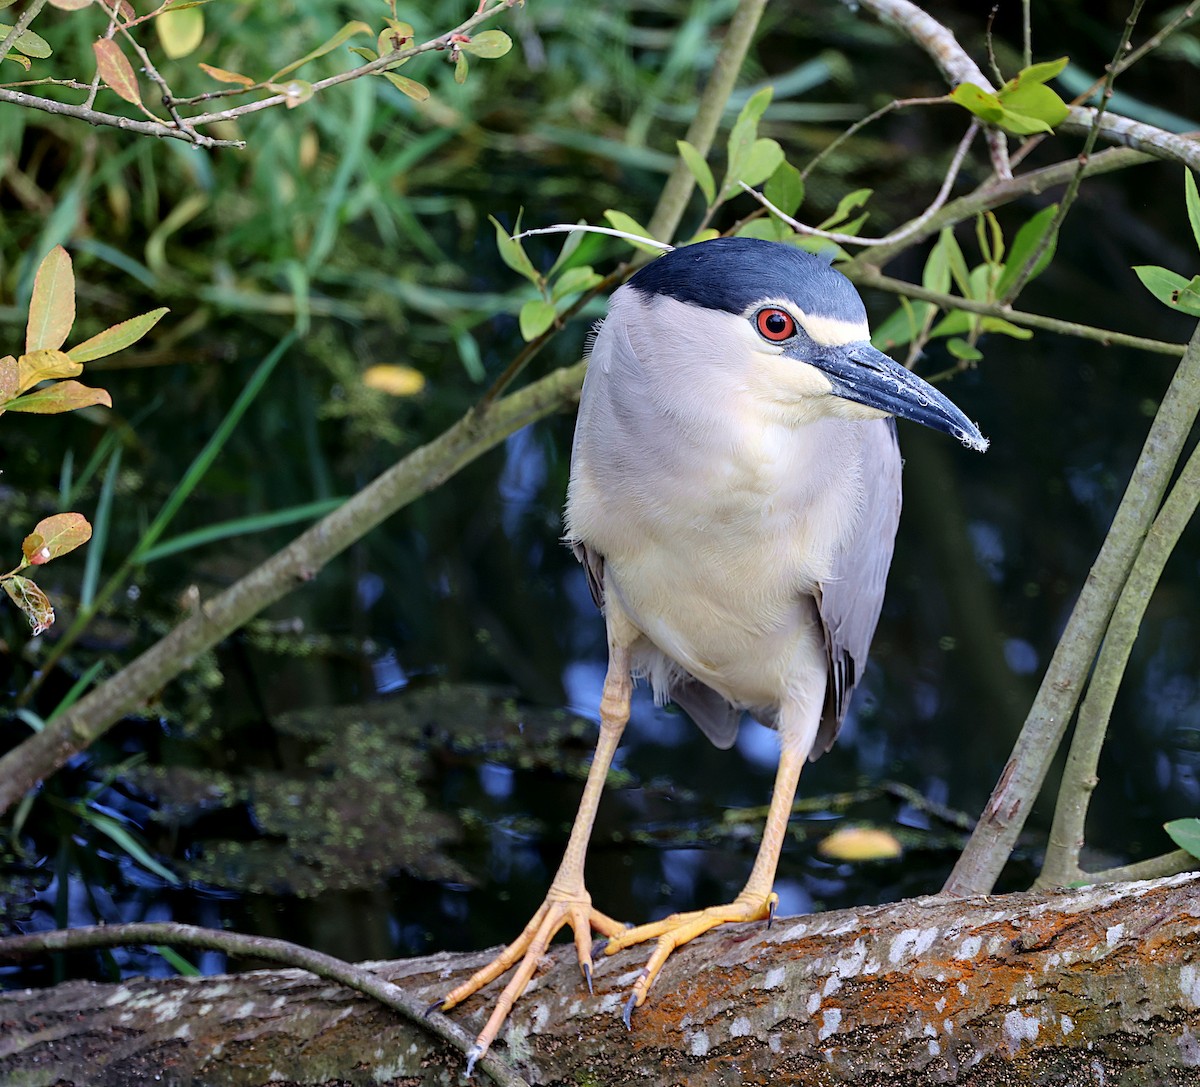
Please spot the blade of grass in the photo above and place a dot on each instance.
(100, 528)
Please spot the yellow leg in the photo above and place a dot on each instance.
(567, 902)
(756, 902)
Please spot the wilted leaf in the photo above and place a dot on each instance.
(27, 42)
(116, 337)
(32, 601)
(53, 537)
(627, 223)
(116, 71)
(295, 91)
(16, 58)
(1185, 833)
(9, 382)
(418, 92)
(46, 365)
(394, 379)
(180, 31)
(700, 170)
(488, 45)
(59, 397)
(537, 315)
(860, 844)
(224, 76)
(348, 31)
(52, 304)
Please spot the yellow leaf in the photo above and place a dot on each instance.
(860, 844)
(395, 380)
(52, 304)
(222, 75)
(180, 32)
(44, 365)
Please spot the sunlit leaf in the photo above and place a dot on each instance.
(27, 42)
(860, 844)
(1165, 285)
(394, 379)
(222, 75)
(1185, 833)
(700, 170)
(575, 280)
(512, 252)
(936, 275)
(116, 337)
(53, 537)
(180, 31)
(785, 188)
(116, 71)
(32, 601)
(59, 397)
(744, 133)
(536, 316)
(763, 159)
(418, 92)
(52, 304)
(488, 44)
(769, 229)
(348, 31)
(1042, 72)
(620, 221)
(849, 203)
(44, 365)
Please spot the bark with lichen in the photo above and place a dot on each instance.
(1094, 985)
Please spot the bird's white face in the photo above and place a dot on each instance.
(777, 335)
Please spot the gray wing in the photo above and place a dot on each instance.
(849, 603)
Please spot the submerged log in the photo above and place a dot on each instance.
(1086, 986)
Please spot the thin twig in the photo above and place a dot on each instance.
(901, 234)
(21, 25)
(268, 948)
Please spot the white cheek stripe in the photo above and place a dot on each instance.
(827, 331)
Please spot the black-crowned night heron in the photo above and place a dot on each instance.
(734, 498)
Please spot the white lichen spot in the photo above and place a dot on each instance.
(1189, 1049)
(168, 1009)
(774, 978)
(948, 1026)
(1189, 982)
(775, 1043)
(832, 984)
(831, 1019)
(245, 1009)
(850, 963)
(935, 1048)
(740, 1027)
(1113, 934)
(911, 943)
(184, 1030)
(940, 1004)
(611, 1001)
(1019, 1028)
(814, 1002)
(962, 987)
(1066, 1024)
(540, 1015)
(119, 997)
(929, 1030)
(699, 1044)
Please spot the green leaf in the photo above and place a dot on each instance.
(418, 92)
(700, 170)
(27, 42)
(537, 315)
(936, 276)
(620, 221)
(487, 45)
(348, 31)
(956, 261)
(785, 188)
(1161, 282)
(1192, 198)
(575, 280)
(983, 104)
(461, 67)
(1188, 298)
(1032, 106)
(573, 240)
(59, 397)
(960, 349)
(1027, 240)
(180, 31)
(1185, 833)
(1042, 72)
(117, 337)
(513, 254)
(903, 325)
(743, 134)
(954, 323)
(52, 304)
(762, 161)
(848, 203)
(768, 229)
(1005, 328)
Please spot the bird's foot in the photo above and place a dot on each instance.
(675, 931)
(560, 908)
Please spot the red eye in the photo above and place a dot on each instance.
(775, 324)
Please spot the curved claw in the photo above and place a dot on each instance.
(586, 967)
(627, 1014)
(436, 1006)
